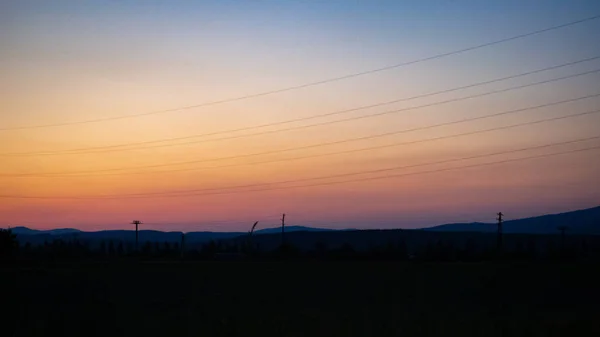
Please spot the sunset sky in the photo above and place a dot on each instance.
(83, 75)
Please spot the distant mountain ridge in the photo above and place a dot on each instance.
(293, 229)
(20, 230)
(34, 236)
(28, 231)
(583, 222)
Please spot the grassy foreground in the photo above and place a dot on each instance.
(302, 299)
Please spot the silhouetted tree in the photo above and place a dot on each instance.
(248, 247)
(389, 251)
(402, 250)
(287, 250)
(120, 250)
(8, 243)
(157, 250)
(520, 252)
(551, 250)
(321, 249)
(470, 251)
(563, 242)
(584, 250)
(129, 248)
(428, 252)
(531, 248)
(209, 249)
(27, 250)
(449, 251)
(438, 251)
(111, 248)
(232, 247)
(103, 248)
(221, 246)
(346, 251)
(146, 249)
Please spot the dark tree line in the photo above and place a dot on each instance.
(438, 250)
(8, 243)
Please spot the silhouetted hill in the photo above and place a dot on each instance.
(292, 229)
(144, 235)
(28, 231)
(582, 222)
(585, 222)
(464, 227)
(39, 236)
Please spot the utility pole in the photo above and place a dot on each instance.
(283, 230)
(499, 243)
(136, 223)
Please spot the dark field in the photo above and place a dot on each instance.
(302, 299)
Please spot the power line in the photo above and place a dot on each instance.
(113, 148)
(242, 218)
(372, 171)
(334, 79)
(423, 172)
(334, 153)
(165, 194)
(352, 150)
(80, 173)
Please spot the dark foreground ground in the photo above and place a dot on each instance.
(302, 299)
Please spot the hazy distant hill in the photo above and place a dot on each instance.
(292, 229)
(585, 222)
(582, 222)
(464, 227)
(542, 230)
(151, 235)
(29, 231)
(39, 236)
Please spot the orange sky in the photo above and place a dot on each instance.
(104, 66)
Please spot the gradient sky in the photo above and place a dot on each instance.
(70, 61)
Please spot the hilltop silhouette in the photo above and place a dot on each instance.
(580, 222)
(293, 229)
(584, 222)
(20, 230)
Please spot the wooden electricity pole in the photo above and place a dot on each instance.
(136, 223)
(499, 243)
